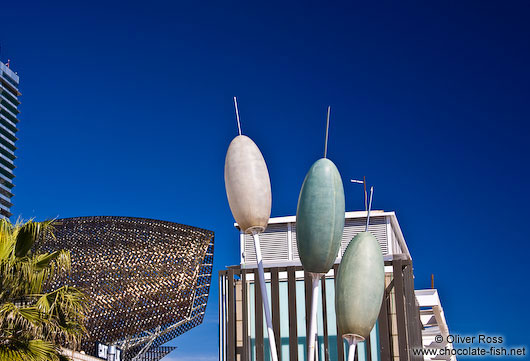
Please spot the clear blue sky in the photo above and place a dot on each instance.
(127, 110)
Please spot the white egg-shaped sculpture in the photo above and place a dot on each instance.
(248, 185)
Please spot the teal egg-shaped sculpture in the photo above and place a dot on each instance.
(320, 217)
(360, 286)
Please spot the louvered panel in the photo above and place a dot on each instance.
(351, 228)
(294, 246)
(250, 253)
(274, 247)
(377, 228)
(274, 241)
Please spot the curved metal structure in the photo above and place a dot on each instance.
(147, 280)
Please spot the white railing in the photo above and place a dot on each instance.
(9, 72)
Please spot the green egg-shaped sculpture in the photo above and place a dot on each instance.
(360, 286)
(320, 217)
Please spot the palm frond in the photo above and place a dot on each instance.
(33, 323)
(30, 350)
(26, 235)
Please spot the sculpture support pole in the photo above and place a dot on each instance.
(315, 280)
(265, 297)
(351, 350)
(352, 340)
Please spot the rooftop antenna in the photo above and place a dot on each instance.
(237, 116)
(432, 281)
(369, 209)
(327, 131)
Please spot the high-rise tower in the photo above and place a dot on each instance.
(8, 127)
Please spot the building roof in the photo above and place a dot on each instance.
(279, 246)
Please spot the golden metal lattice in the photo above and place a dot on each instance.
(140, 275)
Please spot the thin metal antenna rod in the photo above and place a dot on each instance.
(369, 209)
(237, 116)
(327, 130)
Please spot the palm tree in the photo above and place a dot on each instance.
(34, 323)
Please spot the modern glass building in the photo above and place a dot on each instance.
(404, 323)
(8, 128)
